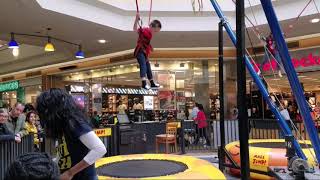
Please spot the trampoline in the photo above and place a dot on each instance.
(156, 166)
(142, 168)
(264, 153)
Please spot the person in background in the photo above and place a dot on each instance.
(194, 111)
(137, 105)
(181, 115)
(33, 166)
(202, 125)
(285, 114)
(291, 111)
(122, 115)
(79, 147)
(32, 128)
(27, 108)
(121, 108)
(95, 120)
(187, 112)
(234, 112)
(193, 115)
(5, 134)
(16, 122)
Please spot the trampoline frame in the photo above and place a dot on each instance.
(197, 168)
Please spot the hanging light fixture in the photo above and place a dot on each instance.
(80, 53)
(13, 44)
(15, 52)
(49, 46)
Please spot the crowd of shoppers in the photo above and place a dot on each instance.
(19, 121)
(64, 121)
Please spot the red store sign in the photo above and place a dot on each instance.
(308, 61)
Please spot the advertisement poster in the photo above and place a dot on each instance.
(167, 100)
(148, 102)
(167, 81)
(97, 98)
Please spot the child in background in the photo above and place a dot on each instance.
(202, 125)
(32, 128)
(143, 50)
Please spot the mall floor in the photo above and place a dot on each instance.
(212, 158)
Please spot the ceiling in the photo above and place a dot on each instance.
(29, 17)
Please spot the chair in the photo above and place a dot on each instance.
(169, 138)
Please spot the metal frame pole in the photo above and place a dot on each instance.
(221, 98)
(292, 75)
(241, 91)
(282, 123)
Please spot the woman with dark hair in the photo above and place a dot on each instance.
(79, 147)
(31, 119)
(201, 120)
(28, 107)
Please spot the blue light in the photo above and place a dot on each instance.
(13, 44)
(80, 54)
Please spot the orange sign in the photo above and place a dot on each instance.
(103, 132)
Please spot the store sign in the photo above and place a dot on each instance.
(96, 98)
(76, 89)
(148, 102)
(128, 91)
(9, 86)
(103, 132)
(304, 62)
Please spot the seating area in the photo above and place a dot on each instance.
(169, 139)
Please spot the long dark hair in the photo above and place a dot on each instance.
(59, 113)
(29, 114)
(36, 166)
(200, 106)
(28, 107)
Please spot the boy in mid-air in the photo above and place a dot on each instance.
(143, 50)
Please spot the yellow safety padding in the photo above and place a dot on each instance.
(103, 132)
(197, 168)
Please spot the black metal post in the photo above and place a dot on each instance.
(118, 137)
(183, 147)
(241, 86)
(221, 98)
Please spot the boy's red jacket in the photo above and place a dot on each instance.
(143, 42)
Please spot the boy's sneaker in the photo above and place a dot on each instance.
(154, 85)
(146, 87)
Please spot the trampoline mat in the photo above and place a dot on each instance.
(278, 145)
(141, 168)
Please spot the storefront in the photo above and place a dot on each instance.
(25, 91)
(183, 82)
(10, 93)
(307, 64)
(32, 88)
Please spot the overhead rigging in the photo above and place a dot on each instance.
(138, 12)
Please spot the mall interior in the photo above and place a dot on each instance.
(191, 126)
